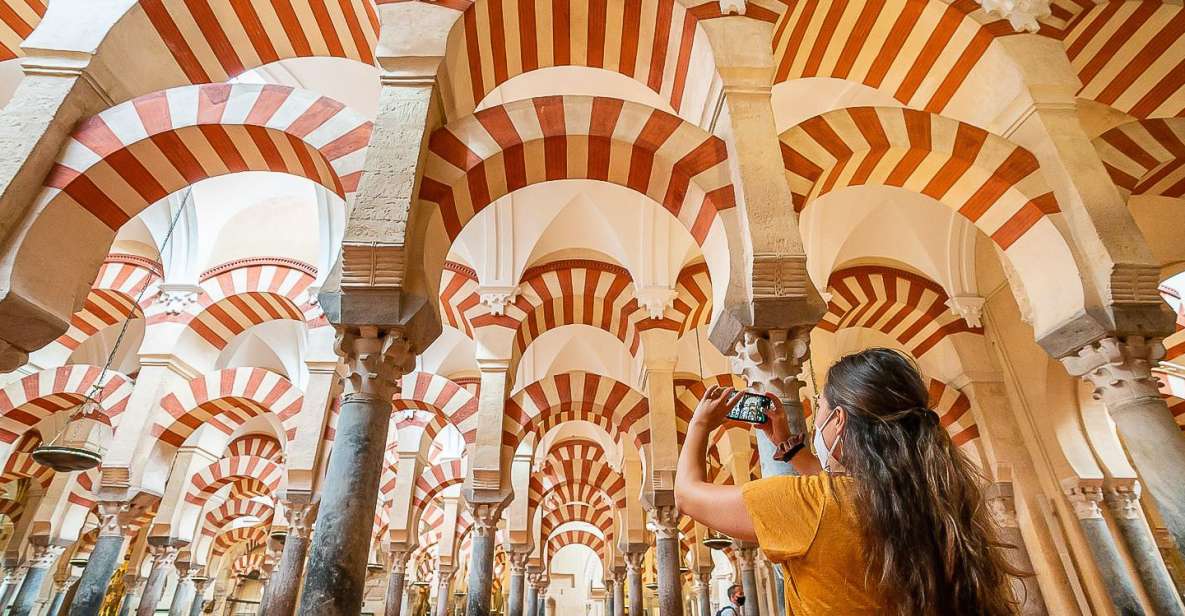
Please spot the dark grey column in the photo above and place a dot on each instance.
(610, 584)
(43, 558)
(88, 596)
(285, 584)
(1120, 586)
(133, 586)
(532, 598)
(1001, 502)
(481, 558)
(395, 582)
(619, 591)
(544, 582)
(633, 565)
(59, 594)
(703, 591)
(336, 577)
(1124, 504)
(163, 557)
(747, 559)
(183, 595)
(444, 577)
(1120, 371)
(199, 591)
(518, 579)
(15, 578)
(666, 552)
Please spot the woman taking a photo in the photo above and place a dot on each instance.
(895, 524)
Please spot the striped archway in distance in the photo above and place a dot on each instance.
(24, 403)
(1146, 157)
(226, 400)
(18, 19)
(905, 306)
(612, 405)
(112, 298)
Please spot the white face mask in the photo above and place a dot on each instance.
(822, 449)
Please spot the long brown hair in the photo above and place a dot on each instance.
(933, 544)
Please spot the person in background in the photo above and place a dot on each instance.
(736, 601)
(888, 516)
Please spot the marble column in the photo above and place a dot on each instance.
(336, 576)
(747, 562)
(666, 552)
(619, 591)
(518, 574)
(532, 598)
(1002, 504)
(183, 594)
(395, 582)
(633, 565)
(60, 589)
(1120, 371)
(481, 558)
(43, 558)
(1123, 500)
(199, 590)
(1121, 588)
(13, 579)
(544, 583)
(703, 591)
(133, 588)
(610, 584)
(444, 576)
(92, 586)
(285, 584)
(163, 557)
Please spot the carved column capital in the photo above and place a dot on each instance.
(633, 560)
(397, 557)
(163, 555)
(497, 298)
(114, 518)
(666, 521)
(1119, 369)
(1085, 499)
(200, 582)
(770, 360)
(1123, 499)
(300, 516)
(485, 517)
(44, 556)
(375, 360)
(518, 562)
(703, 576)
(746, 555)
(1001, 502)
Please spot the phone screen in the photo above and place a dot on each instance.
(751, 409)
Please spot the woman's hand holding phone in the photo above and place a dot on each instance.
(713, 408)
(778, 426)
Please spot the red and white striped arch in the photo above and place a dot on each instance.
(576, 396)
(248, 563)
(657, 43)
(226, 513)
(693, 297)
(130, 156)
(444, 398)
(112, 298)
(226, 400)
(437, 478)
(478, 159)
(598, 514)
(1174, 344)
(253, 536)
(688, 393)
(18, 18)
(1146, 157)
(919, 51)
(20, 463)
(225, 471)
(954, 409)
(1129, 56)
(911, 309)
(992, 182)
(221, 321)
(257, 445)
(574, 536)
(214, 40)
(1177, 408)
(24, 403)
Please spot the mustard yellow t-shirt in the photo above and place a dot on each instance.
(807, 525)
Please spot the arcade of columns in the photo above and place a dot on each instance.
(404, 306)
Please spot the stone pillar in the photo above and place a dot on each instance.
(544, 582)
(163, 557)
(1120, 371)
(1002, 504)
(668, 560)
(199, 590)
(44, 557)
(395, 582)
(481, 558)
(444, 577)
(1123, 500)
(703, 591)
(285, 584)
(747, 562)
(532, 598)
(12, 579)
(633, 566)
(133, 588)
(1085, 499)
(518, 574)
(183, 595)
(336, 576)
(610, 584)
(619, 591)
(92, 586)
(59, 595)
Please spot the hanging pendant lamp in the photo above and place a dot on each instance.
(81, 445)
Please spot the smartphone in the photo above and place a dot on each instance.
(751, 408)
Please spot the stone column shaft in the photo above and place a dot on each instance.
(1119, 584)
(442, 591)
(1001, 502)
(16, 577)
(182, 597)
(285, 580)
(532, 600)
(199, 591)
(633, 563)
(92, 586)
(162, 561)
(55, 604)
(518, 579)
(395, 582)
(619, 594)
(610, 584)
(703, 592)
(335, 581)
(668, 560)
(481, 559)
(44, 557)
(1124, 504)
(747, 559)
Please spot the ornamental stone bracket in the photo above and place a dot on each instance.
(634, 560)
(486, 517)
(176, 298)
(655, 300)
(1119, 369)
(1123, 498)
(732, 7)
(496, 297)
(665, 520)
(967, 307)
(1023, 15)
(375, 359)
(1084, 496)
